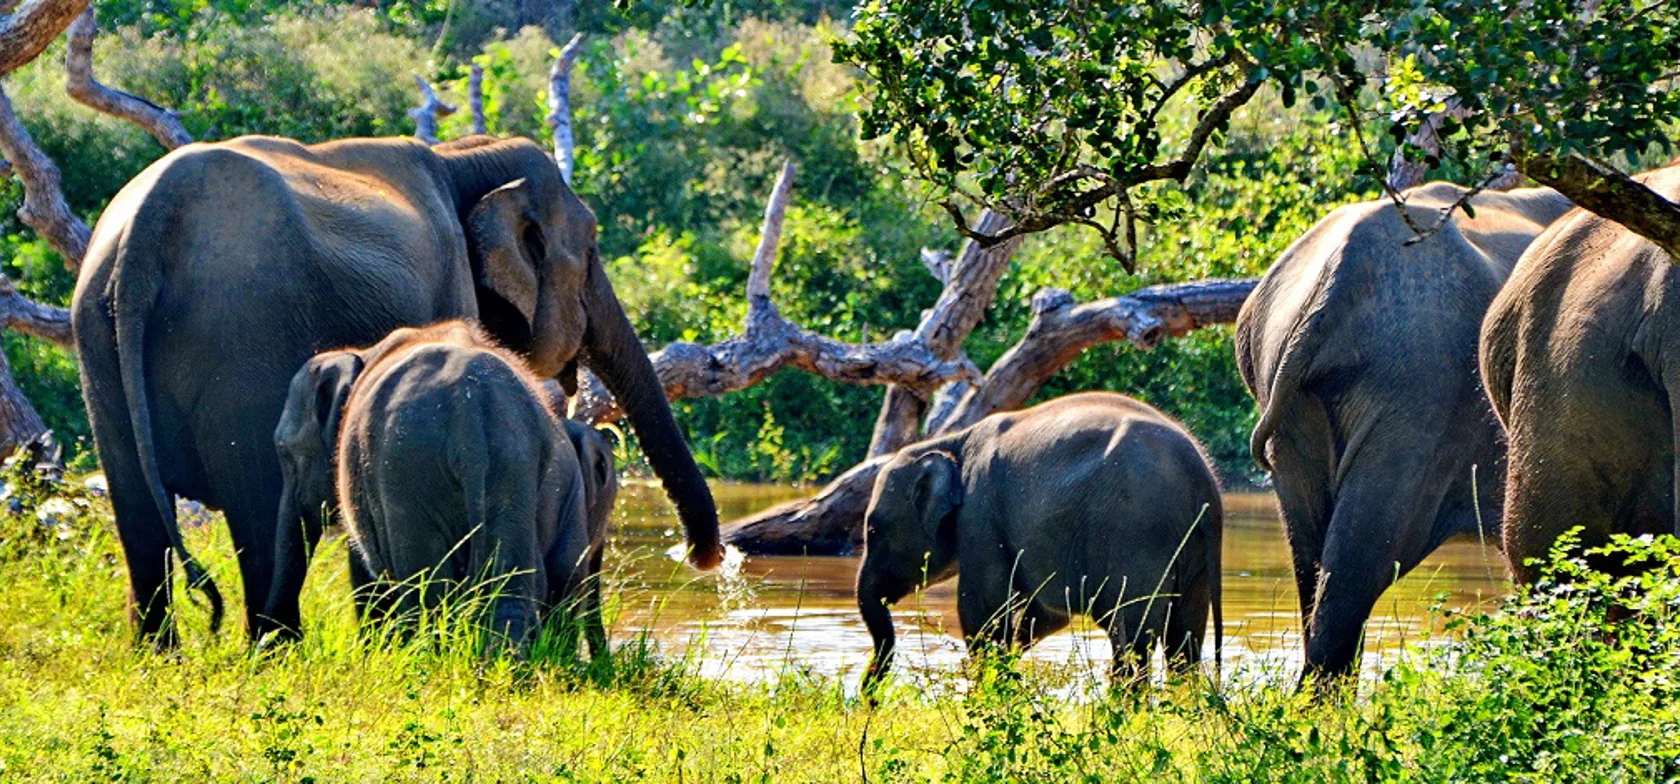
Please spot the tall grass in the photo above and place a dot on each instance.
(1572, 679)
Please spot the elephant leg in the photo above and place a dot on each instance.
(594, 625)
(983, 608)
(1381, 528)
(1301, 455)
(146, 546)
(294, 547)
(1186, 626)
(252, 523)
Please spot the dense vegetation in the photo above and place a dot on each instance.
(683, 118)
(1566, 681)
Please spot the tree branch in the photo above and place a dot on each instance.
(426, 115)
(560, 104)
(31, 27)
(163, 124)
(44, 208)
(25, 315)
(1611, 194)
(769, 342)
(970, 286)
(830, 523)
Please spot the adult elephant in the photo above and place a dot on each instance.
(1581, 356)
(1360, 346)
(219, 270)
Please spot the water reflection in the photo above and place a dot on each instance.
(778, 613)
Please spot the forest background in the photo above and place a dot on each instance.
(683, 117)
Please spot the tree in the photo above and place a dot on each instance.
(1051, 112)
(26, 30)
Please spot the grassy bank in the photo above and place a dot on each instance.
(1533, 692)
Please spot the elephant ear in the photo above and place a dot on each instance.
(505, 242)
(316, 403)
(939, 494)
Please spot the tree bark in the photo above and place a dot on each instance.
(475, 98)
(163, 124)
(830, 523)
(31, 26)
(44, 208)
(970, 286)
(560, 105)
(769, 342)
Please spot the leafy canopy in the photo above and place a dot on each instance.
(1052, 112)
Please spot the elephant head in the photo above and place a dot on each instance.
(308, 432)
(542, 291)
(910, 539)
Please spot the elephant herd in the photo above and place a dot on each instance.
(358, 329)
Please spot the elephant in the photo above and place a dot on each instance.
(1359, 345)
(600, 492)
(1092, 504)
(223, 267)
(1578, 355)
(446, 464)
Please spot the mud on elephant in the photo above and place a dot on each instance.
(1359, 345)
(222, 268)
(1092, 504)
(447, 467)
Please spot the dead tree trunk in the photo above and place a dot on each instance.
(29, 27)
(830, 523)
(560, 105)
(475, 98)
(1404, 173)
(970, 286)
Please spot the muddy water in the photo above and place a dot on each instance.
(770, 614)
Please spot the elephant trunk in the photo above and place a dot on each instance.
(873, 601)
(612, 350)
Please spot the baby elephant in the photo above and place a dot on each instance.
(1093, 504)
(449, 467)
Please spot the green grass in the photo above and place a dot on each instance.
(1536, 691)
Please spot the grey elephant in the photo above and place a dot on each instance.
(222, 268)
(447, 466)
(600, 492)
(1091, 504)
(1359, 345)
(1579, 354)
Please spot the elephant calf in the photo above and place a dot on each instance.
(449, 467)
(1092, 503)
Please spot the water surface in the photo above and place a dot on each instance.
(780, 612)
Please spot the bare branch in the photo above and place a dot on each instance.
(426, 115)
(44, 208)
(769, 343)
(830, 523)
(1061, 331)
(163, 124)
(769, 240)
(25, 315)
(475, 98)
(970, 286)
(31, 27)
(560, 104)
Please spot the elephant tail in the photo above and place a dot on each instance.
(132, 305)
(1290, 375)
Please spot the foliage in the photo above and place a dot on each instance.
(1550, 78)
(1053, 113)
